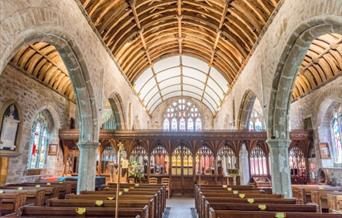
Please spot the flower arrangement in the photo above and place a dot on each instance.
(135, 170)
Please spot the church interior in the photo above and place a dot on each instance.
(171, 108)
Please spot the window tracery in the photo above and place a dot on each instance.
(226, 160)
(159, 161)
(297, 165)
(182, 115)
(258, 162)
(182, 161)
(205, 161)
(39, 140)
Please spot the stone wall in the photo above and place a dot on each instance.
(317, 106)
(33, 97)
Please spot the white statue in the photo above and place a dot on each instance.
(9, 129)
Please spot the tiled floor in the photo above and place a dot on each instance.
(180, 207)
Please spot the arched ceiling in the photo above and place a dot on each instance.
(140, 32)
(321, 64)
(42, 62)
(181, 75)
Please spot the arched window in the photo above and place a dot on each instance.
(256, 122)
(297, 165)
(9, 128)
(183, 116)
(166, 124)
(336, 133)
(198, 124)
(139, 155)
(190, 124)
(159, 161)
(182, 160)
(39, 140)
(226, 160)
(204, 161)
(258, 162)
(182, 124)
(174, 125)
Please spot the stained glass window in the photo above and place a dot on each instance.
(182, 161)
(183, 115)
(39, 140)
(159, 161)
(226, 160)
(297, 165)
(336, 133)
(256, 122)
(204, 161)
(258, 162)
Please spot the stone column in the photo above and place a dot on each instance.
(244, 165)
(280, 169)
(87, 166)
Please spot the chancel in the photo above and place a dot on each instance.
(171, 108)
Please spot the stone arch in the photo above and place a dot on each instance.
(30, 30)
(79, 76)
(245, 109)
(283, 81)
(281, 90)
(115, 101)
(248, 102)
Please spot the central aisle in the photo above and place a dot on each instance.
(180, 207)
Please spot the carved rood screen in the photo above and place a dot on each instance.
(190, 154)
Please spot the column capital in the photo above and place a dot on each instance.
(88, 145)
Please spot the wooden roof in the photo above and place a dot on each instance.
(222, 33)
(321, 64)
(139, 32)
(42, 62)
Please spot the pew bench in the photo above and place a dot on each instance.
(91, 212)
(267, 214)
(11, 202)
(258, 207)
(123, 203)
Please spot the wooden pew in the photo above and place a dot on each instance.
(34, 196)
(123, 203)
(11, 202)
(267, 214)
(303, 192)
(202, 207)
(156, 210)
(112, 186)
(52, 191)
(91, 212)
(334, 203)
(258, 207)
(320, 197)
